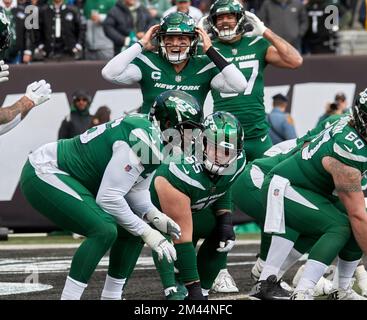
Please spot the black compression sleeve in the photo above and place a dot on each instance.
(217, 58)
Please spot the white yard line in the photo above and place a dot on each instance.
(76, 245)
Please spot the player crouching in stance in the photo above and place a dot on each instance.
(96, 185)
(317, 193)
(194, 193)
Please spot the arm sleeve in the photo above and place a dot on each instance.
(120, 175)
(229, 80)
(139, 198)
(121, 70)
(4, 128)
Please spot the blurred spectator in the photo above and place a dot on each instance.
(319, 38)
(127, 21)
(287, 18)
(61, 32)
(204, 6)
(281, 123)
(363, 15)
(98, 46)
(253, 5)
(79, 119)
(156, 8)
(185, 7)
(339, 106)
(102, 115)
(11, 54)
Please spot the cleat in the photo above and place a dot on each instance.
(269, 289)
(341, 294)
(303, 295)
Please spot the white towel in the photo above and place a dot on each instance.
(274, 221)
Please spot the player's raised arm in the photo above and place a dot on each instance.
(281, 53)
(230, 79)
(347, 182)
(37, 93)
(120, 70)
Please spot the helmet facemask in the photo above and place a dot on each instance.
(228, 34)
(218, 155)
(178, 55)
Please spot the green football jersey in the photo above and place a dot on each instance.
(86, 157)
(248, 55)
(322, 126)
(340, 141)
(191, 178)
(159, 75)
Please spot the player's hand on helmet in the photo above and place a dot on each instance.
(258, 25)
(225, 232)
(4, 73)
(157, 242)
(164, 223)
(39, 92)
(148, 36)
(207, 42)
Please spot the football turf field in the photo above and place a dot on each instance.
(36, 268)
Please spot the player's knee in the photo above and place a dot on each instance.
(107, 233)
(342, 230)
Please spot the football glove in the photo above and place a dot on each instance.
(4, 73)
(225, 232)
(157, 242)
(164, 223)
(39, 92)
(258, 25)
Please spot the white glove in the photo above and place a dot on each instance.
(4, 73)
(226, 246)
(164, 223)
(157, 242)
(39, 92)
(258, 25)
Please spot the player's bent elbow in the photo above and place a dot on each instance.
(106, 74)
(297, 63)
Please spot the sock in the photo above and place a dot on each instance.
(186, 262)
(113, 288)
(73, 289)
(346, 270)
(312, 273)
(258, 268)
(278, 253)
(292, 258)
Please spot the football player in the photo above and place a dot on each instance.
(251, 51)
(96, 185)
(195, 195)
(317, 193)
(175, 66)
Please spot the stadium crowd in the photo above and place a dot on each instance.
(100, 29)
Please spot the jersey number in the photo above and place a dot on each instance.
(254, 65)
(98, 130)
